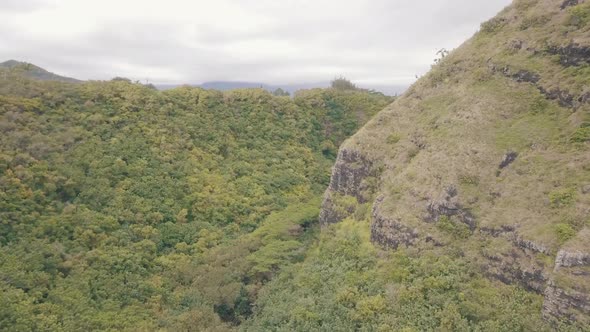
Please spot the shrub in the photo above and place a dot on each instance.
(580, 15)
(562, 198)
(342, 83)
(469, 179)
(564, 232)
(581, 135)
(456, 229)
(393, 138)
(532, 21)
(539, 105)
(493, 25)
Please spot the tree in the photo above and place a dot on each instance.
(281, 93)
(342, 83)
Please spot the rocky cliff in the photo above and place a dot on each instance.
(489, 153)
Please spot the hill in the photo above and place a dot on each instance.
(31, 71)
(127, 208)
(485, 161)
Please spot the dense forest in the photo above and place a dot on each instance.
(124, 207)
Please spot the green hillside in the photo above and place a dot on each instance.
(31, 71)
(123, 207)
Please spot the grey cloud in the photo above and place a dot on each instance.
(23, 5)
(379, 41)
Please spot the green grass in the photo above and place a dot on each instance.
(452, 227)
(562, 198)
(564, 232)
(393, 138)
(581, 135)
(580, 15)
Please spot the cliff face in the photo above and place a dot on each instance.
(489, 152)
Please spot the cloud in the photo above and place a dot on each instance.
(23, 5)
(178, 41)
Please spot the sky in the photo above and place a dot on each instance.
(375, 42)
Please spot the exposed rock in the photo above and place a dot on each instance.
(516, 267)
(519, 76)
(568, 3)
(567, 301)
(509, 158)
(526, 76)
(526, 244)
(449, 206)
(390, 233)
(329, 213)
(495, 232)
(564, 303)
(350, 169)
(568, 259)
(519, 265)
(564, 98)
(571, 55)
(586, 189)
(348, 173)
(516, 44)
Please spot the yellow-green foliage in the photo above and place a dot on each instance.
(562, 197)
(580, 15)
(341, 285)
(493, 25)
(123, 207)
(581, 135)
(453, 227)
(564, 232)
(393, 138)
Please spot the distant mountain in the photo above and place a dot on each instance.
(31, 71)
(233, 85)
(291, 88)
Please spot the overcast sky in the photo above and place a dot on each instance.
(273, 41)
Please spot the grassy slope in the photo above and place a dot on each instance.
(467, 116)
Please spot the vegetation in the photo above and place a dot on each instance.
(128, 208)
(342, 83)
(343, 286)
(580, 15)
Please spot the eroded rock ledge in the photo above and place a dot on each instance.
(348, 173)
(389, 233)
(565, 295)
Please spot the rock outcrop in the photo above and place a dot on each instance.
(567, 293)
(348, 175)
(390, 233)
(349, 171)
